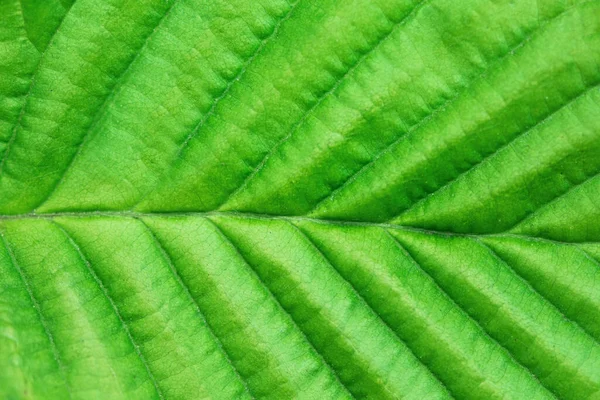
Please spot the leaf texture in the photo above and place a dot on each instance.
(300, 199)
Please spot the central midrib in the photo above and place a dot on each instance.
(268, 217)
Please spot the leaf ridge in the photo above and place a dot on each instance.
(239, 75)
(38, 309)
(107, 101)
(475, 321)
(546, 120)
(22, 113)
(186, 289)
(98, 281)
(230, 243)
(556, 199)
(533, 289)
(305, 116)
(439, 110)
(362, 300)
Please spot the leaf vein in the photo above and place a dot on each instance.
(554, 200)
(337, 84)
(468, 315)
(362, 300)
(239, 75)
(244, 215)
(38, 309)
(436, 112)
(320, 356)
(105, 104)
(22, 113)
(527, 283)
(217, 100)
(165, 255)
(115, 309)
(546, 120)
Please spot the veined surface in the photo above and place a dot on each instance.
(300, 199)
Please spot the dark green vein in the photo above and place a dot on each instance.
(98, 281)
(165, 255)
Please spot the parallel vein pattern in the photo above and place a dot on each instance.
(174, 270)
(116, 310)
(473, 320)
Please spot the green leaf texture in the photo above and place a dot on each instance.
(312, 199)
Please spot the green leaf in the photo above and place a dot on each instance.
(300, 199)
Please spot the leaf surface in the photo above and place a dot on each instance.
(300, 199)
